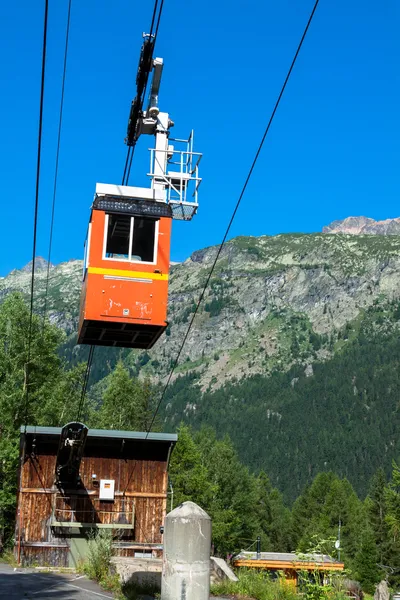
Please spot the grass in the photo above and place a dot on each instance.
(256, 585)
(8, 557)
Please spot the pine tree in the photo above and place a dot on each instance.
(376, 510)
(274, 518)
(366, 559)
(392, 520)
(147, 415)
(233, 507)
(188, 474)
(35, 392)
(392, 497)
(126, 403)
(387, 543)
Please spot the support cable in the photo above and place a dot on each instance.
(35, 220)
(222, 244)
(36, 210)
(130, 165)
(57, 159)
(85, 382)
(158, 20)
(142, 86)
(128, 154)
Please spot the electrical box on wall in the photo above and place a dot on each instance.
(106, 489)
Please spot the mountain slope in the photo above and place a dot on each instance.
(294, 352)
(344, 416)
(272, 302)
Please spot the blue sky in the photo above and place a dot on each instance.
(333, 149)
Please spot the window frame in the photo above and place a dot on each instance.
(86, 252)
(131, 228)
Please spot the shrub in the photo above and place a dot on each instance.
(97, 564)
(257, 585)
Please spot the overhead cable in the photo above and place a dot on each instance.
(36, 209)
(85, 382)
(143, 72)
(222, 244)
(57, 159)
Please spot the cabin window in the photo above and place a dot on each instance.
(144, 231)
(118, 236)
(131, 238)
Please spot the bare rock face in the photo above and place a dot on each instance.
(364, 226)
(40, 265)
(272, 302)
(382, 591)
(386, 227)
(351, 225)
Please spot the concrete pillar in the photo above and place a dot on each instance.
(186, 556)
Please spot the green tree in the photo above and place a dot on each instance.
(308, 509)
(187, 472)
(147, 407)
(318, 511)
(17, 376)
(392, 497)
(387, 542)
(233, 507)
(126, 403)
(274, 518)
(365, 563)
(375, 505)
(38, 391)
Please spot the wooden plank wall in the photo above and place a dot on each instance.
(143, 482)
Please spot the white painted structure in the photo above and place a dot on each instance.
(174, 166)
(186, 557)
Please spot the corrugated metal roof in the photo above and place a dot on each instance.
(107, 433)
(286, 557)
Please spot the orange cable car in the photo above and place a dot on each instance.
(125, 288)
(127, 252)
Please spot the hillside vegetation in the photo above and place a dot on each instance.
(294, 351)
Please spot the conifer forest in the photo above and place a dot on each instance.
(218, 461)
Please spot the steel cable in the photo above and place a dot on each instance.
(36, 210)
(222, 244)
(57, 159)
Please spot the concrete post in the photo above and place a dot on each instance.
(186, 556)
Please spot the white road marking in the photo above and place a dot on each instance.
(61, 583)
(48, 588)
(87, 591)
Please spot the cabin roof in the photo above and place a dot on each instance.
(106, 433)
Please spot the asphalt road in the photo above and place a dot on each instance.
(28, 584)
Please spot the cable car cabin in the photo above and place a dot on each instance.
(125, 281)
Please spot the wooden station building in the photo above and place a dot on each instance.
(74, 481)
(289, 564)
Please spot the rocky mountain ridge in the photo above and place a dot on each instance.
(272, 302)
(364, 226)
